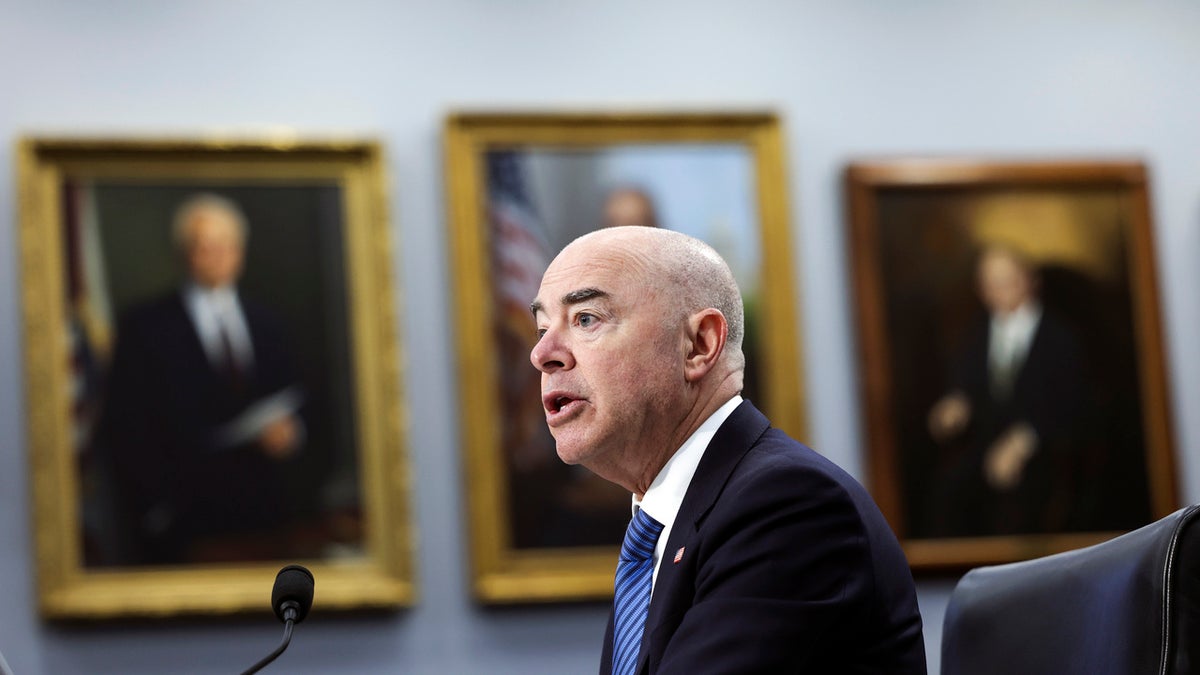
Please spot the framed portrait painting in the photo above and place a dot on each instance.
(212, 374)
(1013, 382)
(523, 185)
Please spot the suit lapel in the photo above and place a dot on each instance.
(731, 442)
(1031, 361)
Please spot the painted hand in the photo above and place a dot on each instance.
(1005, 462)
(280, 438)
(949, 416)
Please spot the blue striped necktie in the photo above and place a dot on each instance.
(635, 573)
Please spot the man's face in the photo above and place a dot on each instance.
(611, 362)
(214, 248)
(1004, 285)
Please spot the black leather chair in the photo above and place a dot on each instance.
(1130, 605)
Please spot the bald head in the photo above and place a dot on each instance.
(685, 273)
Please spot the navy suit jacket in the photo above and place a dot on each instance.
(787, 566)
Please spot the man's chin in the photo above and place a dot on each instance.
(569, 457)
(572, 450)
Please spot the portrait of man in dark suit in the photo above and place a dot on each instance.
(203, 405)
(1009, 402)
(1013, 421)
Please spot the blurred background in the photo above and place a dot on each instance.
(852, 80)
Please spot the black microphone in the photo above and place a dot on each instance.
(291, 598)
(293, 593)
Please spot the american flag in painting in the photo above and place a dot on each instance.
(89, 330)
(519, 248)
(520, 255)
(89, 338)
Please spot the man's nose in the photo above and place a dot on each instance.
(550, 353)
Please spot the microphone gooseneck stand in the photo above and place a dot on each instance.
(291, 599)
(287, 638)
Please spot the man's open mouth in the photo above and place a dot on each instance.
(555, 402)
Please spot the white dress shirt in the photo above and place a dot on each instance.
(665, 494)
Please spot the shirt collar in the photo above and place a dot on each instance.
(220, 296)
(665, 494)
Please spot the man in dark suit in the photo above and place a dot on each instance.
(202, 407)
(1010, 425)
(748, 551)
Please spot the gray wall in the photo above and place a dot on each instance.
(1021, 78)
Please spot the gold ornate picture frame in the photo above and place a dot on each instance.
(522, 185)
(121, 463)
(1013, 380)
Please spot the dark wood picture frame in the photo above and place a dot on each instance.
(918, 233)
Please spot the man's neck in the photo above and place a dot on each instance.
(697, 416)
(1026, 310)
(204, 289)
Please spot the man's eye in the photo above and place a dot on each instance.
(584, 320)
(540, 333)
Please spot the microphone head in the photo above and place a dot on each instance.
(294, 588)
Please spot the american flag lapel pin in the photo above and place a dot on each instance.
(679, 554)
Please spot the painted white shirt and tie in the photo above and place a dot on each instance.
(221, 325)
(1010, 337)
(217, 316)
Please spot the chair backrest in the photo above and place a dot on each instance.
(1130, 605)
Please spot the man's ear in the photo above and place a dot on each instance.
(706, 332)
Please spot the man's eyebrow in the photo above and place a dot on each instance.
(583, 294)
(571, 298)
